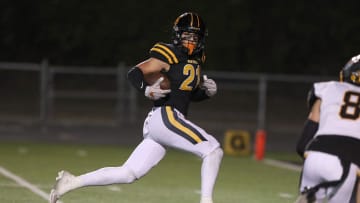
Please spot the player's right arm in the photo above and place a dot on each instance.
(137, 75)
(152, 65)
(159, 60)
(311, 124)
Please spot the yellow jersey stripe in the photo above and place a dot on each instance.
(163, 53)
(168, 51)
(179, 126)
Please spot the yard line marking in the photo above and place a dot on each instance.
(114, 188)
(282, 164)
(24, 183)
(12, 184)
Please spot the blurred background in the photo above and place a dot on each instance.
(63, 65)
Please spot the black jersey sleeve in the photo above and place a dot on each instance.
(198, 95)
(164, 52)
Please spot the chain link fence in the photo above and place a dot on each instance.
(44, 98)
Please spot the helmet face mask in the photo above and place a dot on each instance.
(189, 31)
(351, 71)
(190, 41)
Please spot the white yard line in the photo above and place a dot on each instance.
(282, 164)
(24, 183)
(15, 185)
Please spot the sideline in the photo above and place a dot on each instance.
(22, 182)
(283, 164)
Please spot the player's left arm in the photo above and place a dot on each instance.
(198, 95)
(207, 89)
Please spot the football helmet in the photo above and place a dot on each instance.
(190, 23)
(351, 71)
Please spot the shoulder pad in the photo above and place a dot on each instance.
(311, 97)
(164, 52)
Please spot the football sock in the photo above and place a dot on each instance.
(209, 171)
(107, 176)
(206, 200)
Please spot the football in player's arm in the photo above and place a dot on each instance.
(330, 140)
(171, 77)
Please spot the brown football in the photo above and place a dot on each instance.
(152, 78)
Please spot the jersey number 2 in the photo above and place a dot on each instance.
(351, 107)
(191, 72)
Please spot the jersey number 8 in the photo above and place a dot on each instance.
(351, 107)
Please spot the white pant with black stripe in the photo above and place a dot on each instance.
(321, 167)
(167, 127)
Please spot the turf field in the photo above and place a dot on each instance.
(175, 180)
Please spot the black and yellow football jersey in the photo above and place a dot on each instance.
(184, 76)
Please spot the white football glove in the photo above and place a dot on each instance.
(154, 92)
(209, 86)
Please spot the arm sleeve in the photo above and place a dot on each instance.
(307, 134)
(136, 78)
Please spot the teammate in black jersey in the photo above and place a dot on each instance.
(166, 125)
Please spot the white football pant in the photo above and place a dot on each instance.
(321, 167)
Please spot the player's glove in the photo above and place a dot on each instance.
(154, 92)
(209, 86)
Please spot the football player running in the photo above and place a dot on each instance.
(166, 124)
(330, 139)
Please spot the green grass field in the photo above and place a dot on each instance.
(175, 180)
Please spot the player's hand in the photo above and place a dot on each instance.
(209, 86)
(154, 92)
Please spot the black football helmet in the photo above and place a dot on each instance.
(192, 23)
(351, 71)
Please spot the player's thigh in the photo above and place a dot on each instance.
(321, 167)
(318, 168)
(145, 156)
(170, 128)
(201, 148)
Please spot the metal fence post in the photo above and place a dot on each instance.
(126, 105)
(133, 106)
(262, 102)
(120, 96)
(260, 136)
(44, 74)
